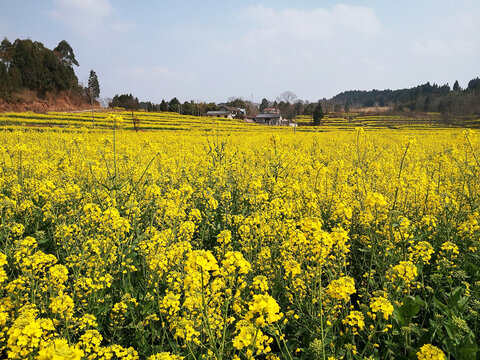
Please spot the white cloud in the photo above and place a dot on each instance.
(310, 25)
(89, 18)
(291, 38)
(451, 44)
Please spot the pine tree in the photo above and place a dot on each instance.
(93, 90)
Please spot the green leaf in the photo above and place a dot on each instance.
(455, 296)
(439, 305)
(450, 332)
(410, 307)
(397, 313)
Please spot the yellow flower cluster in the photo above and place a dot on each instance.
(406, 271)
(164, 356)
(341, 289)
(3, 273)
(380, 304)
(59, 350)
(422, 251)
(430, 352)
(264, 309)
(355, 320)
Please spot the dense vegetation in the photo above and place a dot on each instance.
(426, 97)
(29, 65)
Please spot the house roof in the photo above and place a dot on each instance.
(218, 112)
(271, 110)
(267, 116)
(233, 109)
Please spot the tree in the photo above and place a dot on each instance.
(66, 54)
(174, 105)
(163, 106)
(308, 110)
(5, 45)
(93, 90)
(128, 102)
(132, 104)
(6, 49)
(474, 85)
(287, 96)
(188, 108)
(4, 81)
(318, 114)
(264, 104)
(298, 107)
(286, 101)
(456, 86)
(237, 102)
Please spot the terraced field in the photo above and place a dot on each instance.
(174, 121)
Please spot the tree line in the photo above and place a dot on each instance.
(129, 102)
(427, 97)
(288, 104)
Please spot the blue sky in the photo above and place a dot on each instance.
(213, 50)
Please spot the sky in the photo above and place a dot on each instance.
(213, 50)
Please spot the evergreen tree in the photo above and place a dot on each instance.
(93, 89)
(474, 85)
(318, 114)
(66, 54)
(456, 86)
(163, 105)
(6, 50)
(174, 105)
(264, 104)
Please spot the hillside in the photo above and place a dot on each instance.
(28, 100)
(35, 78)
(450, 102)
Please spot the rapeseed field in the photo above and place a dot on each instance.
(236, 241)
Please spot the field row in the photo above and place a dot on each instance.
(173, 121)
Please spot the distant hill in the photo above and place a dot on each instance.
(426, 98)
